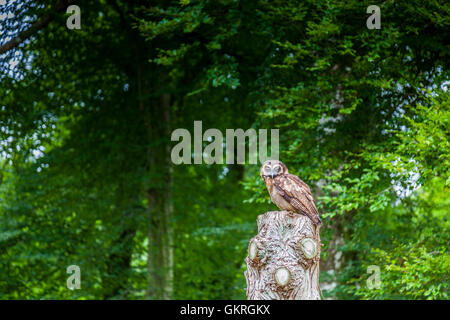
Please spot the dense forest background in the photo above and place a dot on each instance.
(86, 117)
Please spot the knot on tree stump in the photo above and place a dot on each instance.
(283, 258)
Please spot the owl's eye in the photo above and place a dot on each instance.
(267, 168)
(277, 169)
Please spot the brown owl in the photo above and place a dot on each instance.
(287, 191)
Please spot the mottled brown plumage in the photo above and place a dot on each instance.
(288, 191)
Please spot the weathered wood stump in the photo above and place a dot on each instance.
(283, 258)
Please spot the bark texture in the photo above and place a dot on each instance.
(283, 258)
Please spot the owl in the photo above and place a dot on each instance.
(288, 191)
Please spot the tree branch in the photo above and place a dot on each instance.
(41, 23)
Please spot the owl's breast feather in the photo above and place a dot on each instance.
(269, 184)
(276, 197)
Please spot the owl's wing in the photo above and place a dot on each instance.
(298, 194)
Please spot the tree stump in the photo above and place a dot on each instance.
(283, 258)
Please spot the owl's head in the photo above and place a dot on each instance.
(272, 168)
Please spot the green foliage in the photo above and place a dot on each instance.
(413, 266)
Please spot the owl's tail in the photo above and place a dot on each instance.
(314, 218)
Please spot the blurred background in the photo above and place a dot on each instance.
(86, 116)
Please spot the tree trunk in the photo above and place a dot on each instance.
(168, 206)
(160, 258)
(283, 258)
